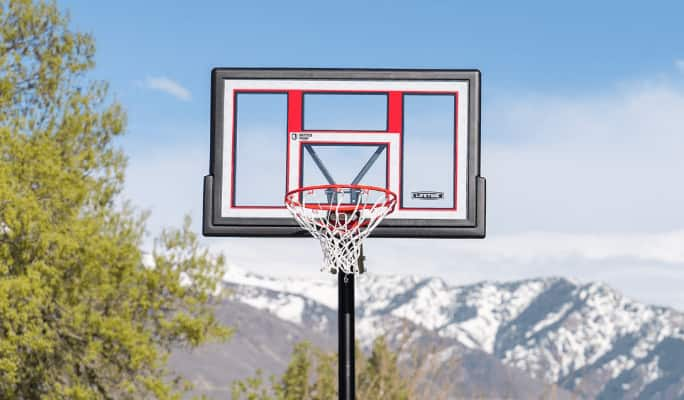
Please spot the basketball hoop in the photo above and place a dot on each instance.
(340, 217)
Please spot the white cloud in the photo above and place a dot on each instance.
(531, 247)
(592, 163)
(168, 182)
(648, 267)
(680, 65)
(303, 256)
(168, 86)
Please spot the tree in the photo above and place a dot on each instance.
(312, 375)
(380, 379)
(295, 382)
(81, 314)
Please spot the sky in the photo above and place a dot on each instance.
(582, 136)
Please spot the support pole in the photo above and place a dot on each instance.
(345, 334)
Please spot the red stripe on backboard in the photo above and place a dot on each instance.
(294, 111)
(395, 117)
(294, 124)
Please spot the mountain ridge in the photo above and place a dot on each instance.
(585, 337)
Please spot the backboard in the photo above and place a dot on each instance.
(414, 132)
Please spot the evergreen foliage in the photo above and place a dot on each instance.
(81, 315)
(312, 375)
(381, 378)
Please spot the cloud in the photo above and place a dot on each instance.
(680, 65)
(459, 258)
(600, 162)
(531, 247)
(168, 182)
(647, 267)
(168, 86)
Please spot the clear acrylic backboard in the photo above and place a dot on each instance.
(415, 133)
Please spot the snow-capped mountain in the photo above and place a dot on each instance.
(585, 337)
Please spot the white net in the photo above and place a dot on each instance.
(340, 217)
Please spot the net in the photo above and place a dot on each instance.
(340, 217)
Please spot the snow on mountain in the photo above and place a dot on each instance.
(586, 337)
(323, 291)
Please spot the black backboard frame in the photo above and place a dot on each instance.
(213, 224)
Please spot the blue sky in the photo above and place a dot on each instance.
(529, 46)
(517, 45)
(582, 118)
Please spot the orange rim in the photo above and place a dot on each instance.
(291, 198)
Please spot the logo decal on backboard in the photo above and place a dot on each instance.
(301, 136)
(427, 195)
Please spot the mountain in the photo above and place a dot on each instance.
(260, 341)
(585, 337)
(264, 341)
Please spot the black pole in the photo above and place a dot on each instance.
(345, 335)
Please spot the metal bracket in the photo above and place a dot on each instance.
(364, 170)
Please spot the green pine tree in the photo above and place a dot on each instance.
(81, 316)
(380, 377)
(312, 375)
(253, 388)
(325, 383)
(295, 381)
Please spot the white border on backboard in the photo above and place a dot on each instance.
(349, 86)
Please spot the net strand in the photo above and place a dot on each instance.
(339, 228)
